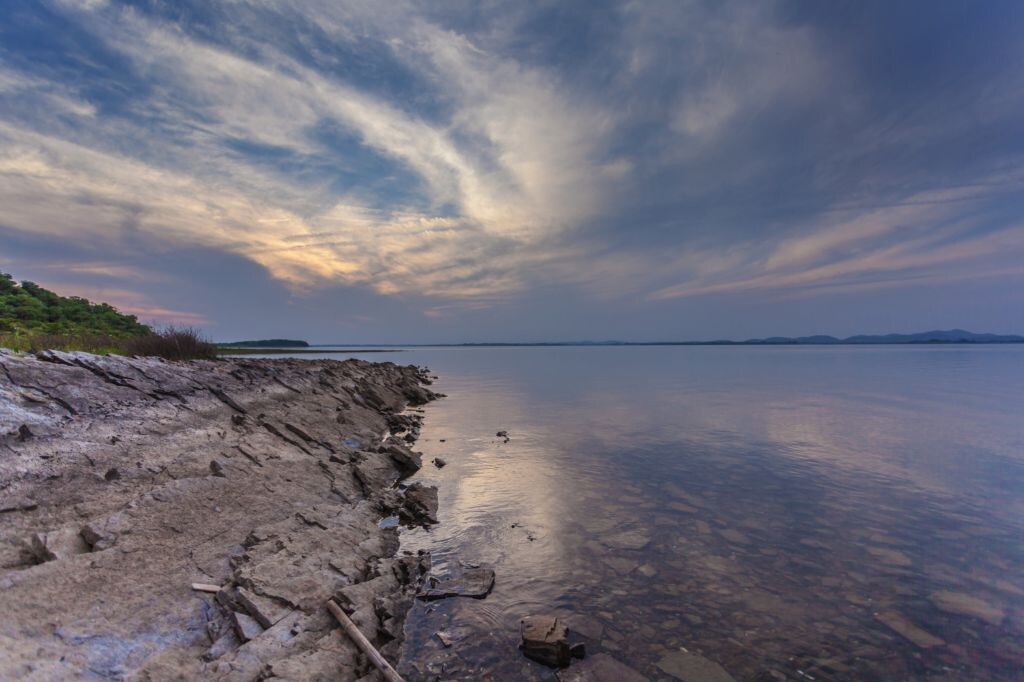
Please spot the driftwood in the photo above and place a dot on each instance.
(390, 674)
(205, 587)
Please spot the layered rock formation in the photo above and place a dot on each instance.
(124, 481)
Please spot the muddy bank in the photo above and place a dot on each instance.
(124, 481)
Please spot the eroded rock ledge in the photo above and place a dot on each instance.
(125, 480)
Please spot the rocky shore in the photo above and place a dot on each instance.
(191, 520)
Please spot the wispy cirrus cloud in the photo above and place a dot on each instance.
(463, 158)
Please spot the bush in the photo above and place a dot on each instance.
(173, 343)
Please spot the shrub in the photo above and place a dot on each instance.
(173, 343)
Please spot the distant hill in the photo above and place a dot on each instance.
(28, 308)
(937, 336)
(266, 343)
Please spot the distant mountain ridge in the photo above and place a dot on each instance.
(935, 336)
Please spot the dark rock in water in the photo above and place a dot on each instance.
(690, 667)
(476, 582)
(545, 640)
(600, 668)
(419, 505)
(439, 463)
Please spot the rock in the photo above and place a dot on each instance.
(217, 469)
(545, 640)
(407, 461)
(264, 610)
(246, 626)
(905, 628)
(591, 628)
(56, 545)
(476, 582)
(966, 605)
(502, 434)
(600, 668)
(892, 557)
(112, 474)
(439, 463)
(444, 637)
(238, 419)
(24, 433)
(691, 667)
(11, 504)
(578, 650)
(628, 539)
(419, 505)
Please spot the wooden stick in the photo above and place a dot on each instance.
(205, 587)
(390, 674)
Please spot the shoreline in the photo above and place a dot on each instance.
(127, 480)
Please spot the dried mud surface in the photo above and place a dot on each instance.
(125, 480)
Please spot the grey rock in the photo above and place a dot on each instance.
(246, 626)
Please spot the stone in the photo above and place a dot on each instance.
(691, 667)
(892, 557)
(966, 605)
(628, 539)
(545, 640)
(600, 668)
(578, 650)
(112, 474)
(444, 638)
(439, 463)
(56, 545)
(246, 626)
(419, 505)
(591, 628)
(407, 461)
(217, 469)
(476, 582)
(264, 610)
(905, 628)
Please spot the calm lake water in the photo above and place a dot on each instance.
(789, 513)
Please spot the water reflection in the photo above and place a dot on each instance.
(838, 513)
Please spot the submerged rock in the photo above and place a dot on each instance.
(600, 668)
(905, 628)
(966, 605)
(691, 667)
(545, 639)
(476, 582)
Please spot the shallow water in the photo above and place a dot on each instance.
(790, 513)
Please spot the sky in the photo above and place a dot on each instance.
(402, 172)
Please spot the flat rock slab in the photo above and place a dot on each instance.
(545, 639)
(600, 668)
(966, 605)
(476, 582)
(905, 628)
(690, 667)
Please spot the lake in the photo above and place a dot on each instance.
(786, 512)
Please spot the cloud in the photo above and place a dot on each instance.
(634, 154)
